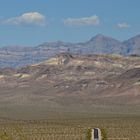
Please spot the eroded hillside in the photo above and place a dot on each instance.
(73, 82)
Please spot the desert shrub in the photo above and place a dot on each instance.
(104, 134)
(88, 134)
(5, 136)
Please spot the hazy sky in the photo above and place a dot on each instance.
(31, 22)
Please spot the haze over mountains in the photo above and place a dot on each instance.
(16, 56)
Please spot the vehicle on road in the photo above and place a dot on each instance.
(96, 134)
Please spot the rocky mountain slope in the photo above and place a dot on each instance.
(14, 56)
(69, 80)
(133, 45)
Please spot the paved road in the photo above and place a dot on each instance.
(96, 134)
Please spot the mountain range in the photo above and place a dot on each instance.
(17, 56)
(72, 84)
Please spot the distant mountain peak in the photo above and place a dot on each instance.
(100, 37)
(137, 37)
(133, 45)
(97, 36)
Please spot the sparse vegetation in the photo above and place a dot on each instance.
(70, 129)
(88, 134)
(104, 135)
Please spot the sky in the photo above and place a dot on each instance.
(32, 22)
